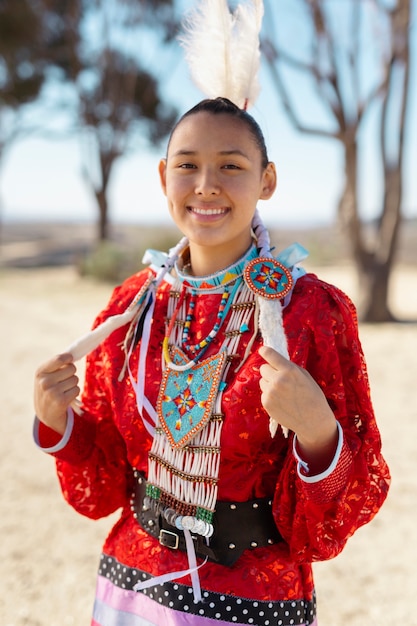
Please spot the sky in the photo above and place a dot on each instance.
(41, 179)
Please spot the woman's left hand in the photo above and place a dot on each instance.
(291, 397)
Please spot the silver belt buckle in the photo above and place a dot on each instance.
(169, 539)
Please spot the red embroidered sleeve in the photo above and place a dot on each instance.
(101, 483)
(317, 518)
(327, 489)
(326, 486)
(74, 446)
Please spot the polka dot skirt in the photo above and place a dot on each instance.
(214, 605)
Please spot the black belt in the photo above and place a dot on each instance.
(238, 526)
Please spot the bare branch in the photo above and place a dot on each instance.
(272, 54)
(373, 95)
(324, 39)
(354, 53)
(290, 109)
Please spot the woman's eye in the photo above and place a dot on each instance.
(231, 166)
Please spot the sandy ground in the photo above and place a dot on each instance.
(50, 553)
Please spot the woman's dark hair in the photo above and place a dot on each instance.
(223, 106)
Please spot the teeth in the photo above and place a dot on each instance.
(208, 211)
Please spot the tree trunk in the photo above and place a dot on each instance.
(103, 222)
(374, 255)
(348, 204)
(107, 160)
(373, 261)
(375, 307)
(373, 293)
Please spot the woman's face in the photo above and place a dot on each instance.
(213, 178)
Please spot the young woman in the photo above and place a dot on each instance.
(186, 413)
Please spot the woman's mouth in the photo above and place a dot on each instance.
(208, 212)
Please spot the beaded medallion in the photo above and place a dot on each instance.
(268, 278)
(186, 398)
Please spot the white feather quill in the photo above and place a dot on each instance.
(246, 53)
(222, 49)
(273, 335)
(270, 311)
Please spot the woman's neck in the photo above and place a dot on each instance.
(204, 261)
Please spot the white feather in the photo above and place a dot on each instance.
(207, 41)
(271, 326)
(273, 335)
(91, 340)
(222, 49)
(246, 53)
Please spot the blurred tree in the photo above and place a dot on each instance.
(357, 63)
(33, 51)
(28, 42)
(21, 73)
(119, 104)
(95, 48)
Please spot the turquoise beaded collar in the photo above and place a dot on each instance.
(289, 257)
(218, 280)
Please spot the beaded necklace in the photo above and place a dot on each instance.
(183, 463)
(197, 350)
(184, 459)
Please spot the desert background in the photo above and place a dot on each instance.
(50, 554)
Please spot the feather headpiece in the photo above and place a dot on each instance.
(222, 49)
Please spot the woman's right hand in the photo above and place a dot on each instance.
(56, 387)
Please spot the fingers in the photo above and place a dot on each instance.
(57, 377)
(274, 368)
(274, 358)
(56, 386)
(55, 363)
(292, 398)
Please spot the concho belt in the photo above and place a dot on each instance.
(238, 526)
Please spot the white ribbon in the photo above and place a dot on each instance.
(192, 571)
(139, 384)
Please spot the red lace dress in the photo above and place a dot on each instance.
(314, 515)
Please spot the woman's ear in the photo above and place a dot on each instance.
(269, 181)
(162, 169)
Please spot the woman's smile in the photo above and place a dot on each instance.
(208, 212)
(213, 178)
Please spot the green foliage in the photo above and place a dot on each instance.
(113, 262)
(21, 73)
(109, 262)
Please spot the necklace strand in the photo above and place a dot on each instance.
(173, 484)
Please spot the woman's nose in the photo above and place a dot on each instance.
(207, 183)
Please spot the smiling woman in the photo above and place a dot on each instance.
(213, 177)
(226, 407)
(212, 504)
